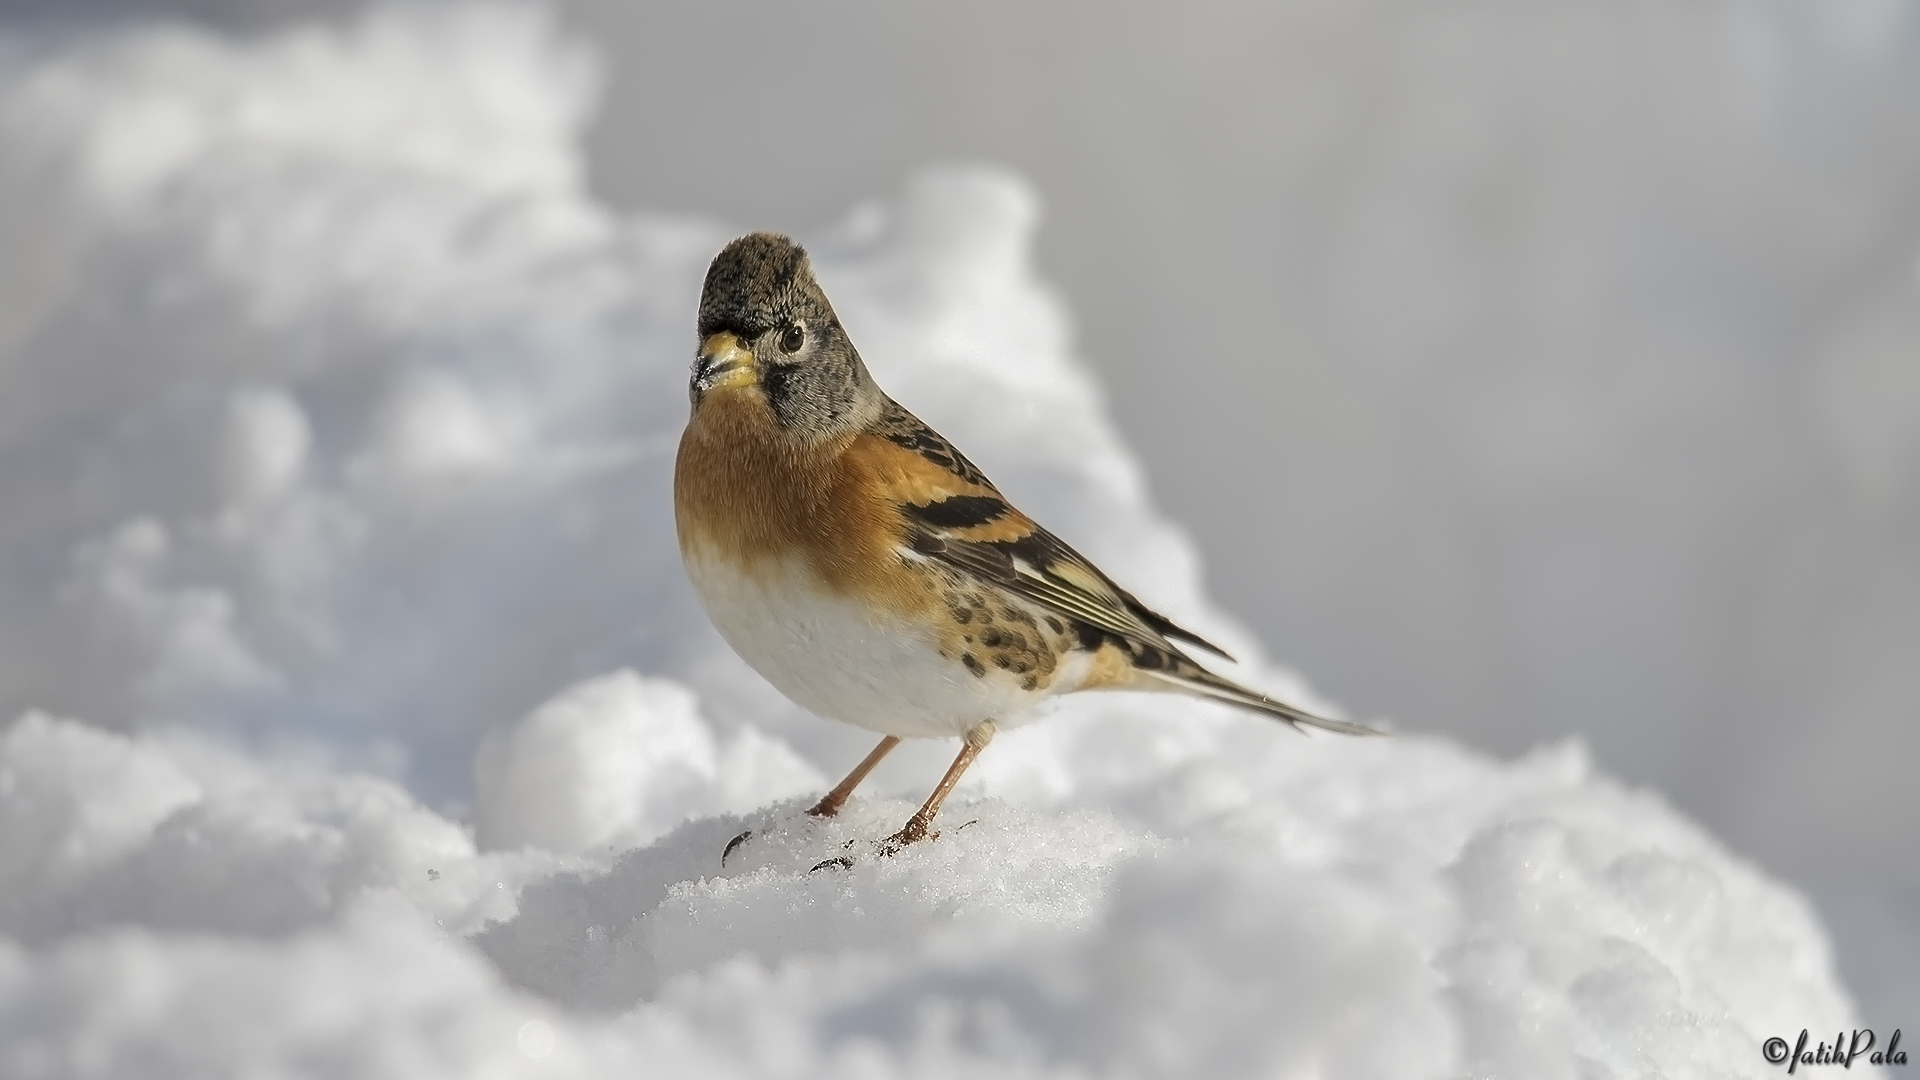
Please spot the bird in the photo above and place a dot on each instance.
(866, 568)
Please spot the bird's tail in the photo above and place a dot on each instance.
(1188, 677)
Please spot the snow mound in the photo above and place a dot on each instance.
(1241, 906)
(618, 761)
(337, 425)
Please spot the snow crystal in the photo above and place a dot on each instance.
(338, 426)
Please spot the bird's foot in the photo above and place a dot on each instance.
(913, 832)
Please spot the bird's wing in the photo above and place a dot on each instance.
(948, 512)
(952, 514)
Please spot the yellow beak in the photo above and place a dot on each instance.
(723, 363)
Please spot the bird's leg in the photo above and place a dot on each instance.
(832, 801)
(916, 827)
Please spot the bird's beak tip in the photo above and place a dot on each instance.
(723, 362)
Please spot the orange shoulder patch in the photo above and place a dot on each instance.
(936, 497)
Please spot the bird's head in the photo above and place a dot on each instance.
(767, 331)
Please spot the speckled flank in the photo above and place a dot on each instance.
(990, 634)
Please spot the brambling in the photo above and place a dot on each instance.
(865, 567)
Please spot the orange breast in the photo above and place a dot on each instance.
(750, 495)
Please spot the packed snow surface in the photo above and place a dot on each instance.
(364, 727)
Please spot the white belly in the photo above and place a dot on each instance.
(834, 657)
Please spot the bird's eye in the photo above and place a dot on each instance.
(794, 337)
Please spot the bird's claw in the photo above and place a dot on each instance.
(734, 844)
(844, 862)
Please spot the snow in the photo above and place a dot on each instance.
(365, 725)
(619, 761)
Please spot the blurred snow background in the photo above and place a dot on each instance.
(340, 387)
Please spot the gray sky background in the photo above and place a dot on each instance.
(1524, 369)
